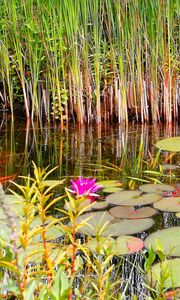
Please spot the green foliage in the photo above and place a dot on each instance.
(31, 254)
(98, 54)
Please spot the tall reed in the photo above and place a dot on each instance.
(91, 60)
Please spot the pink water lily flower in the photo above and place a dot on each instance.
(85, 187)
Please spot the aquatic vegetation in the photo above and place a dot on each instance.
(85, 187)
(129, 212)
(162, 278)
(91, 60)
(171, 144)
(132, 198)
(169, 204)
(45, 256)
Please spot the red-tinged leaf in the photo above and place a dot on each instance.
(4, 179)
(135, 245)
(172, 294)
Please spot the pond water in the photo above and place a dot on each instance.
(106, 152)
(74, 149)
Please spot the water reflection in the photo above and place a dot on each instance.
(74, 149)
(82, 151)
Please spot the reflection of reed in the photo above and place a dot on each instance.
(75, 148)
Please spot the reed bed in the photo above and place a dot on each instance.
(90, 61)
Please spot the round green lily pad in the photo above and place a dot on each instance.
(52, 233)
(156, 188)
(129, 212)
(122, 245)
(123, 227)
(100, 205)
(116, 226)
(35, 252)
(154, 275)
(2, 214)
(118, 198)
(170, 204)
(169, 239)
(95, 205)
(94, 218)
(51, 182)
(112, 189)
(132, 198)
(126, 245)
(105, 244)
(110, 183)
(178, 215)
(170, 144)
(5, 231)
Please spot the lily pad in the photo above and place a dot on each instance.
(172, 281)
(52, 233)
(170, 144)
(112, 189)
(170, 204)
(132, 198)
(2, 214)
(118, 198)
(129, 212)
(115, 227)
(35, 252)
(110, 183)
(5, 231)
(126, 245)
(122, 227)
(122, 245)
(102, 246)
(94, 218)
(156, 188)
(95, 205)
(178, 215)
(169, 238)
(53, 182)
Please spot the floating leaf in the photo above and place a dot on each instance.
(5, 231)
(116, 226)
(118, 198)
(170, 204)
(156, 188)
(110, 183)
(169, 239)
(170, 144)
(126, 245)
(95, 218)
(95, 205)
(53, 182)
(178, 215)
(103, 245)
(172, 281)
(2, 214)
(124, 226)
(52, 233)
(100, 205)
(122, 245)
(35, 252)
(129, 212)
(132, 198)
(112, 189)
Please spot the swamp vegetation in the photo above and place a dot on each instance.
(102, 220)
(86, 61)
(126, 251)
